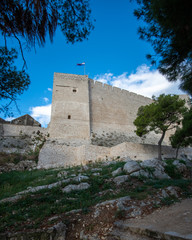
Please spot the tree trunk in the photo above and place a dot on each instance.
(159, 145)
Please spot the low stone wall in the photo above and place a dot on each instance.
(10, 130)
(55, 155)
(20, 138)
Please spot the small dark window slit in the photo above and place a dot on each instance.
(74, 90)
(69, 116)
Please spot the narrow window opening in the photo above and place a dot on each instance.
(69, 116)
(74, 90)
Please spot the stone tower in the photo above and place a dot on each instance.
(70, 107)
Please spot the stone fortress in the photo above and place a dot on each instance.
(89, 121)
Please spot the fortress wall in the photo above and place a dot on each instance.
(56, 155)
(112, 114)
(12, 130)
(70, 107)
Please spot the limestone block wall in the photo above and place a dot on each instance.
(19, 138)
(70, 107)
(55, 155)
(12, 130)
(112, 114)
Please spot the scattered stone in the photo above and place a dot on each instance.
(108, 163)
(105, 192)
(181, 167)
(71, 187)
(85, 168)
(34, 189)
(80, 178)
(120, 179)
(21, 166)
(117, 172)
(56, 232)
(164, 194)
(96, 169)
(74, 211)
(62, 174)
(131, 166)
(173, 191)
(96, 174)
(157, 166)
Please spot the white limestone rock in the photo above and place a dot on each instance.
(140, 173)
(131, 166)
(180, 166)
(62, 174)
(80, 178)
(117, 172)
(120, 179)
(96, 174)
(157, 166)
(71, 187)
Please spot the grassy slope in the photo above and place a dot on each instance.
(32, 209)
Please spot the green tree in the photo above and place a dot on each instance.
(33, 19)
(163, 114)
(168, 27)
(183, 136)
(12, 81)
(29, 22)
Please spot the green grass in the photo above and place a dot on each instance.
(16, 181)
(171, 169)
(33, 208)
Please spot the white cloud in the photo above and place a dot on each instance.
(41, 114)
(145, 82)
(9, 119)
(50, 89)
(46, 99)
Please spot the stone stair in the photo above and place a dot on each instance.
(125, 231)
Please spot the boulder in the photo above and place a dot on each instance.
(157, 166)
(120, 179)
(140, 173)
(117, 172)
(80, 178)
(71, 187)
(131, 166)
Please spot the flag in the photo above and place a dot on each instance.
(81, 64)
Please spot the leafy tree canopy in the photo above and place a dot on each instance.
(163, 114)
(169, 30)
(183, 136)
(12, 81)
(29, 22)
(33, 19)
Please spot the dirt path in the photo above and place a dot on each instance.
(176, 219)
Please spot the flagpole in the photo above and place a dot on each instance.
(84, 69)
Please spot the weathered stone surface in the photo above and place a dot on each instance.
(96, 174)
(117, 172)
(140, 173)
(157, 167)
(71, 187)
(80, 178)
(120, 179)
(56, 232)
(62, 174)
(131, 166)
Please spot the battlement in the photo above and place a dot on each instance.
(83, 107)
(120, 92)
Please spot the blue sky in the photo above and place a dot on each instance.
(114, 54)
